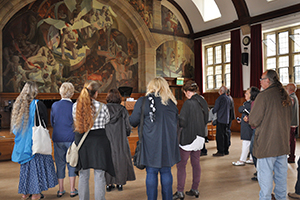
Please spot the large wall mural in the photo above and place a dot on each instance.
(174, 59)
(54, 41)
(170, 22)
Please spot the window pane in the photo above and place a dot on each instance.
(218, 81)
(284, 75)
(218, 54)
(271, 63)
(297, 74)
(227, 80)
(209, 53)
(210, 82)
(271, 45)
(283, 42)
(210, 71)
(297, 59)
(218, 69)
(227, 68)
(297, 68)
(296, 40)
(227, 52)
(283, 61)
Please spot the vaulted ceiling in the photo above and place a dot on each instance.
(235, 13)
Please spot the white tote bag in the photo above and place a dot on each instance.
(41, 141)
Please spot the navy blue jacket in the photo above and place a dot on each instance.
(62, 121)
(222, 108)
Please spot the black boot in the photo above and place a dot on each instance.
(178, 195)
(192, 192)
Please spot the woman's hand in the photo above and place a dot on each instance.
(246, 118)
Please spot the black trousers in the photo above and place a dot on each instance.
(222, 138)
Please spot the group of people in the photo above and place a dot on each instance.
(105, 149)
(168, 138)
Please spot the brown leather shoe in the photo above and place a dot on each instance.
(294, 195)
(273, 197)
(218, 154)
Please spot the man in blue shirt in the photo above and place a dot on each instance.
(222, 108)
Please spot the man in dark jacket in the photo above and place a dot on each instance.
(222, 108)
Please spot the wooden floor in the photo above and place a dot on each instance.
(220, 180)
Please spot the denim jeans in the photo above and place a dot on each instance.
(60, 151)
(84, 188)
(166, 180)
(265, 169)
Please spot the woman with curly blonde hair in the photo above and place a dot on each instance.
(159, 143)
(95, 152)
(37, 172)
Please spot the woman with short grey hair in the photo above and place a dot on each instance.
(63, 136)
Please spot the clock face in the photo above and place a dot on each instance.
(246, 40)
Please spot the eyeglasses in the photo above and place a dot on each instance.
(262, 79)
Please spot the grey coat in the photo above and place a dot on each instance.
(246, 130)
(159, 141)
(117, 131)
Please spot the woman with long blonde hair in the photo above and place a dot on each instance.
(159, 144)
(95, 152)
(37, 172)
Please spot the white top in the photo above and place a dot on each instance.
(196, 145)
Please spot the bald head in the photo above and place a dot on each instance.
(291, 88)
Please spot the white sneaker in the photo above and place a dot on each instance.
(238, 163)
(249, 162)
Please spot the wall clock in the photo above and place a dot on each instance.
(246, 40)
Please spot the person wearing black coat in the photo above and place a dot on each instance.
(193, 119)
(159, 144)
(117, 131)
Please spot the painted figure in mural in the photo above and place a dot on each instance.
(19, 74)
(69, 40)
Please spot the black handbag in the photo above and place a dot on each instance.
(137, 154)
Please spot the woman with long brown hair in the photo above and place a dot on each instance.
(95, 152)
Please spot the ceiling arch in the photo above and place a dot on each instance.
(235, 13)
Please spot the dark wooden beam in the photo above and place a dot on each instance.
(250, 20)
(241, 8)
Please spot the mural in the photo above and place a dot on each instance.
(170, 22)
(174, 59)
(54, 41)
(145, 9)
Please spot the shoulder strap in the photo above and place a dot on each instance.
(142, 119)
(86, 133)
(38, 114)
